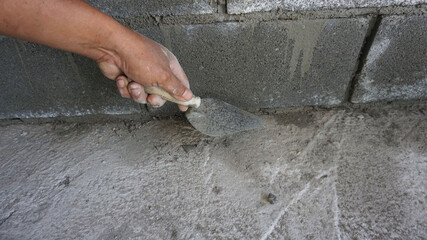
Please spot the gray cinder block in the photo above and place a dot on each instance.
(396, 65)
(270, 64)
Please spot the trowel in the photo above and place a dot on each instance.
(213, 117)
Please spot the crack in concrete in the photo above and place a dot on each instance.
(3, 220)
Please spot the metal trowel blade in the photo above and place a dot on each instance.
(217, 118)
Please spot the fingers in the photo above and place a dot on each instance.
(137, 92)
(155, 101)
(131, 90)
(180, 74)
(177, 89)
(182, 108)
(138, 95)
(122, 85)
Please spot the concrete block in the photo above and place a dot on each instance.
(396, 65)
(246, 6)
(129, 8)
(38, 82)
(269, 64)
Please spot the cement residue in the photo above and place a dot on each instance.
(304, 36)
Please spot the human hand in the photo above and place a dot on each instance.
(121, 53)
(147, 63)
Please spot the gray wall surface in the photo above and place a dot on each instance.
(396, 65)
(259, 60)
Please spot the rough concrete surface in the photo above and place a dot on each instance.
(130, 8)
(337, 174)
(269, 64)
(38, 81)
(246, 6)
(396, 65)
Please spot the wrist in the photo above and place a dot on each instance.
(125, 44)
(105, 47)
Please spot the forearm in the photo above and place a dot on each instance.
(71, 25)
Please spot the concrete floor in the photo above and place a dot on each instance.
(337, 174)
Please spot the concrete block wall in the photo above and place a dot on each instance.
(252, 54)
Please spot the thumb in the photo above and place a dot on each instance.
(177, 89)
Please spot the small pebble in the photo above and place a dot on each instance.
(271, 198)
(189, 147)
(66, 181)
(177, 159)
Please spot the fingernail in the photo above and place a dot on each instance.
(187, 94)
(155, 105)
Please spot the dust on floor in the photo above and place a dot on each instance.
(330, 174)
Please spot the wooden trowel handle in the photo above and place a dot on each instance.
(194, 102)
